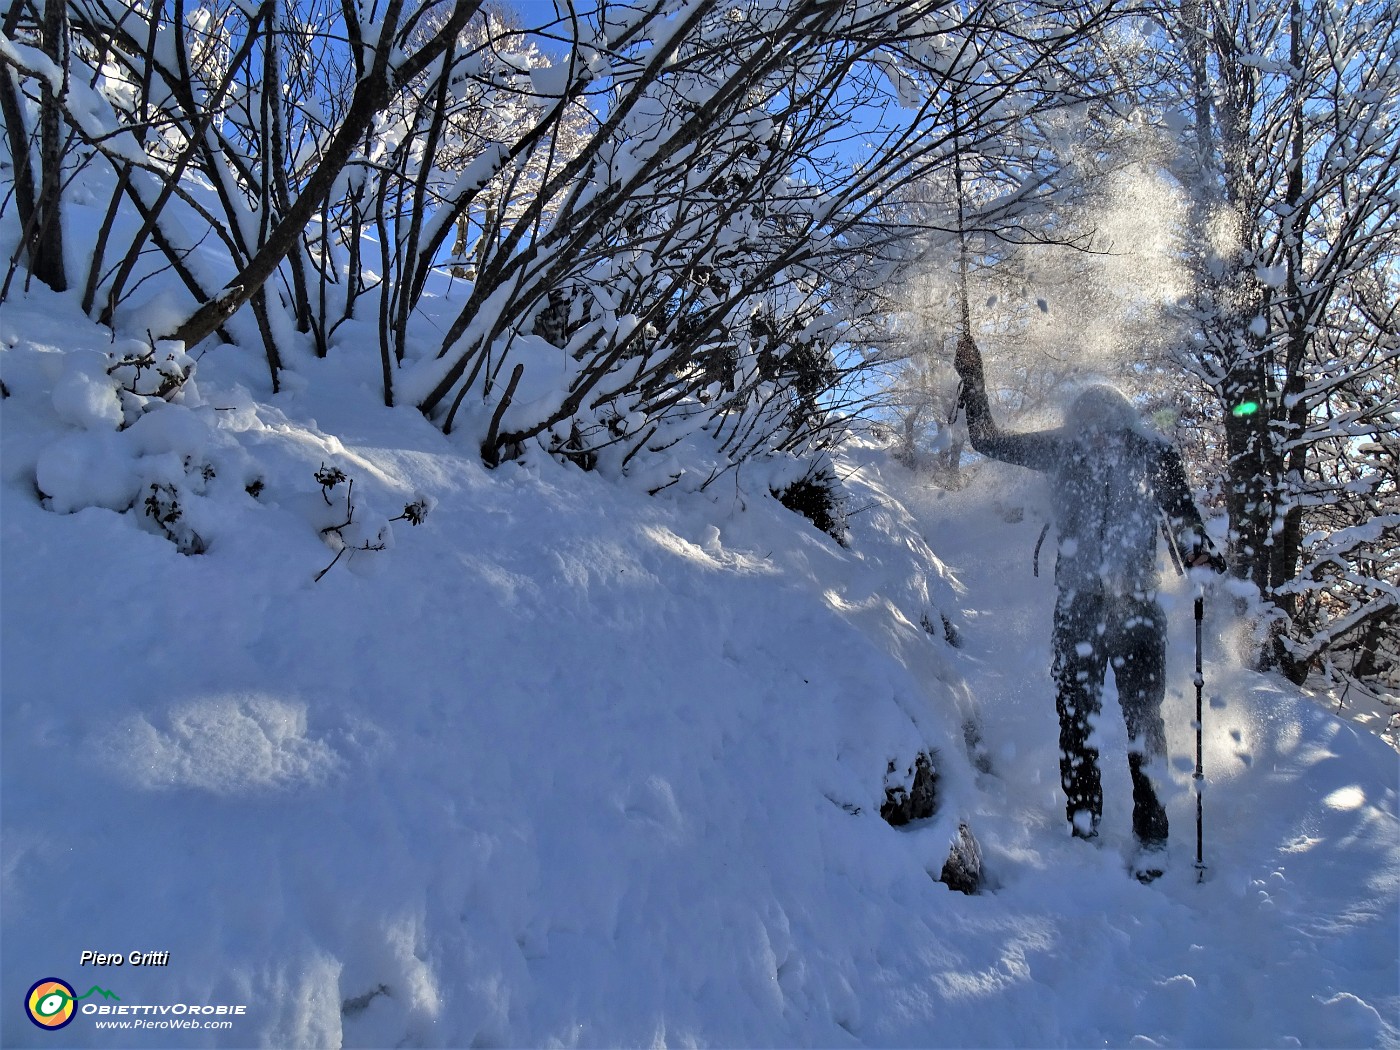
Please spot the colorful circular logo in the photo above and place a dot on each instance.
(50, 1003)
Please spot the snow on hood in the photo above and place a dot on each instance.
(1101, 408)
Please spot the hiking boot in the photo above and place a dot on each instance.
(1084, 824)
(1149, 862)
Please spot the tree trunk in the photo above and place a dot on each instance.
(46, 244)
(18, 136)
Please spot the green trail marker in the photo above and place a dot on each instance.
(1245, 408)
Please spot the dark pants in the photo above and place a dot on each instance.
(1128, 632)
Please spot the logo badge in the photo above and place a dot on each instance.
(50, 1003)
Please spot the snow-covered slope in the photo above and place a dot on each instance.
(571, 765)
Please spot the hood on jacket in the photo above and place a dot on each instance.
(1101, 409)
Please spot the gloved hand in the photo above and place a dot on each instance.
(1206, 556)
(1208, 559)
(967, 360)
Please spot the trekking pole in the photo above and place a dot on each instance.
(1200, 774)
(965, 306)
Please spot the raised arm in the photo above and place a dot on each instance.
(1036, 451)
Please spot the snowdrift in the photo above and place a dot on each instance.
(564, 763)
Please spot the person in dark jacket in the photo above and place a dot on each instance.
(1111, 479)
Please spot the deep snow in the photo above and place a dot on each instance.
(571, 765)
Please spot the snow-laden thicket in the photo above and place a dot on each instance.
(665, 217)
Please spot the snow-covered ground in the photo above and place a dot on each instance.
(1292, 939)
(570, 765)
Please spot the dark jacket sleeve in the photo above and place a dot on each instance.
(1174, 497)
(1036, 451)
